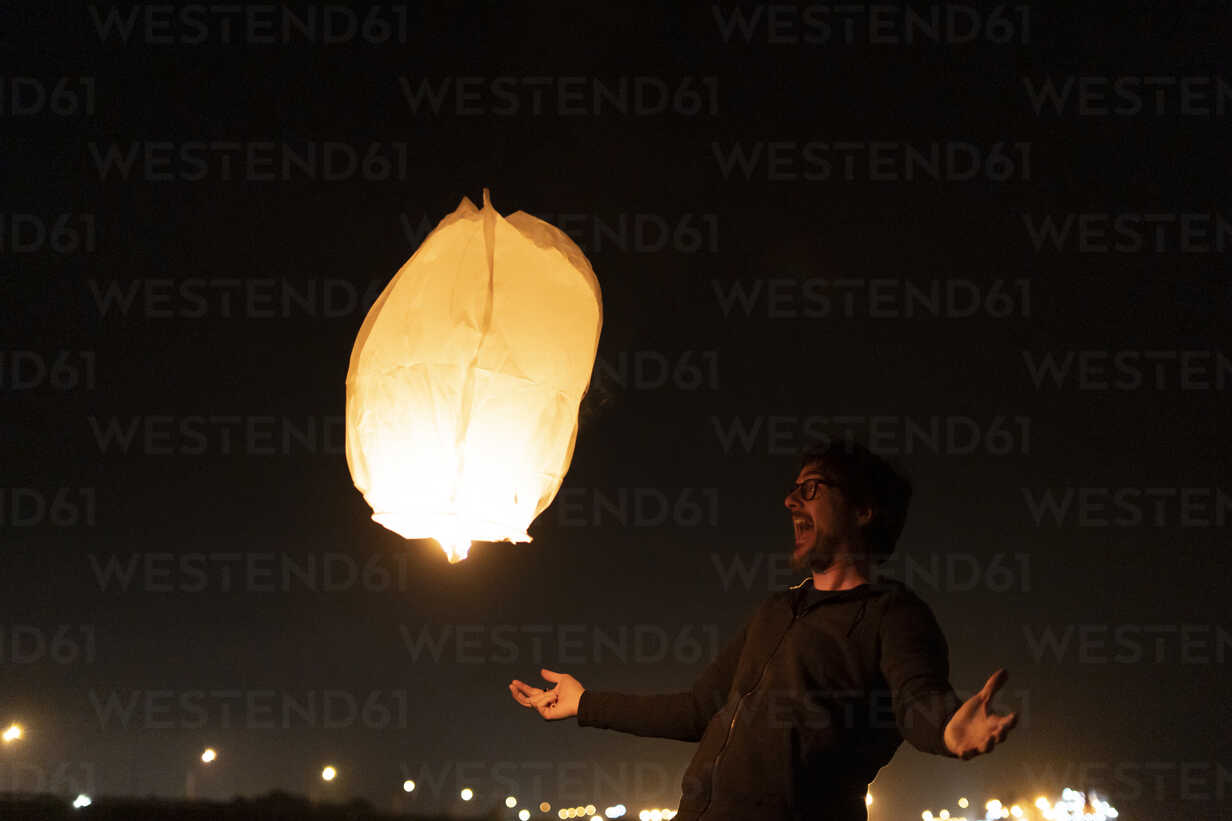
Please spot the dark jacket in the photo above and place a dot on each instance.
(799, 712)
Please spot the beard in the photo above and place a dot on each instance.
(819, 556)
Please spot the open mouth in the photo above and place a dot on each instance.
(803, 526)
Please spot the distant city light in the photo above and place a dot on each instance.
(467, 793)
(524, 815)
(82, 800)
(545, 806)
(511, 801)
(329, 774)
(13, 733)
(1072, 806)
(408, 786)
(208, 755)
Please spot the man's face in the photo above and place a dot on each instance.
(821, 524)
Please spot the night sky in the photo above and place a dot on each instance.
(994, 248)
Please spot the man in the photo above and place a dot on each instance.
(799, 712)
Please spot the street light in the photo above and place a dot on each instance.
(13, 733)
(208, 756)
(329, 774)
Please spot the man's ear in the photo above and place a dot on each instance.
(864, 515)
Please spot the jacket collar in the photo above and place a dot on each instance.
(798, 595)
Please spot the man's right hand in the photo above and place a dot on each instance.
(559, 702)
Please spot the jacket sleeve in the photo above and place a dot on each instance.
(916, 664)
(681, 716)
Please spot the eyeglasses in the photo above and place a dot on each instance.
(808, 488)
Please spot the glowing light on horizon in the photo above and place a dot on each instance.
(208, 755)
(329, 774)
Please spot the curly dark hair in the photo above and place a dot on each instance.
(870, 481)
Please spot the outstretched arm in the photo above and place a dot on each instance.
(915, 662)
(682, 716)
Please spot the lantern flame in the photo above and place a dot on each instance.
(455, 549)
(465, 380)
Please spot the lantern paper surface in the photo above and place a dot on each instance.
(464, 384)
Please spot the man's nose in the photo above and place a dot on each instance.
(791, 502)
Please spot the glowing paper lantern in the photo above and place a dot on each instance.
(466, 377)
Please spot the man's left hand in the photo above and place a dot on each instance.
(975, 728)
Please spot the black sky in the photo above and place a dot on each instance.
(1148, 727)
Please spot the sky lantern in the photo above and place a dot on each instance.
(465, 380)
